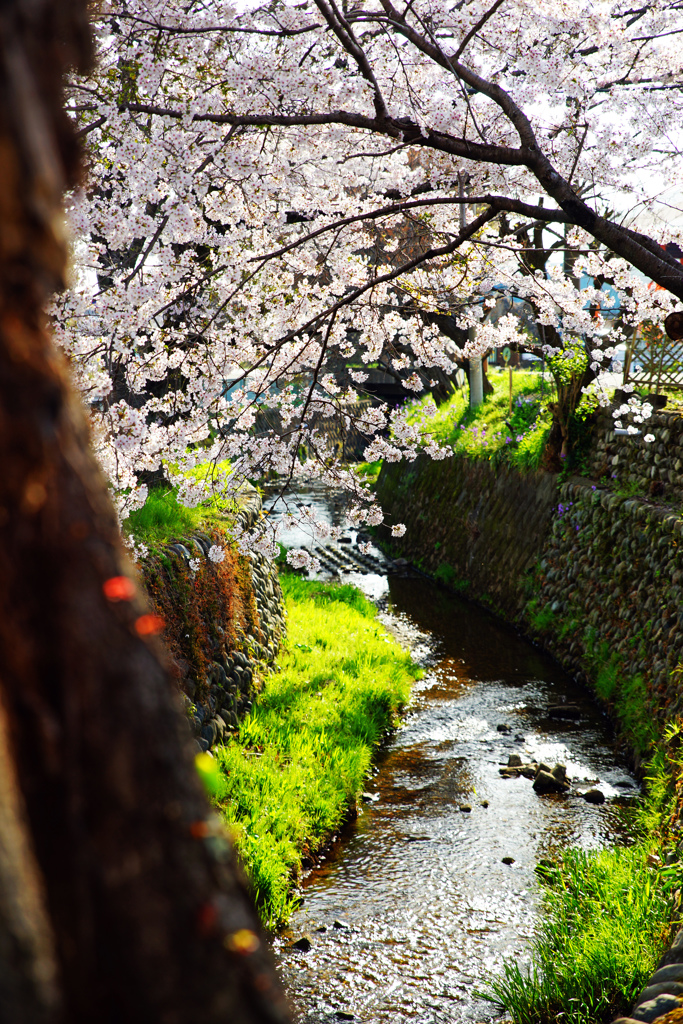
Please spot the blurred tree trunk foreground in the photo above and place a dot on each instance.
(120, 899)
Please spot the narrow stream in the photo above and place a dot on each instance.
(415, 908)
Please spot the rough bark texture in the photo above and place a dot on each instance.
(150, 919)
(28, 990)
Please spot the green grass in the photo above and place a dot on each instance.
(301, 757)
(447, 575)
(541, 616)
(626, 695)
(490, 431)
(606, 924)
(369, 471)
(163, 518)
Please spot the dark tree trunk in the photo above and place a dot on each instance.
(28, 988)
(149, 918)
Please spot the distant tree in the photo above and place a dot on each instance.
(120, 899)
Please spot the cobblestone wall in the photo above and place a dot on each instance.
(223, 624)
(595, 576)
(654, 469)
(609, 587)
(477, 528)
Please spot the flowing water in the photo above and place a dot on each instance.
(415, 908)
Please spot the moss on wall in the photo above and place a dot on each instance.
(208, 612)
(223, 625)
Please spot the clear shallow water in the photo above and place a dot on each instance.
(428, 906)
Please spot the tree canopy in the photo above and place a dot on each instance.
(275, 199)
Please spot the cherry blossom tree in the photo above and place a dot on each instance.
(275, 197)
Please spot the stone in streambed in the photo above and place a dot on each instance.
(303, 944)
(572, 711)
(594, 796)
(559, 772)
(657, 1007)
(484, 803)
(466, 808)
(508, 860)
(545, 782)
(515, 761)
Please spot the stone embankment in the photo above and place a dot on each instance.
(223, 623)
(609, 588)
(650, 470)
(477, 528)
(594, 575)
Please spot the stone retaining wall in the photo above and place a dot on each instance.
(223, 624)
(473, 526)
(630, 464)
(594, 576)
(609, 587)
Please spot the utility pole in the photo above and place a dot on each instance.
(476, 373)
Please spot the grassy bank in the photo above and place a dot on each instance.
(606, 920)
(492, 430)
(288, 781)
(163, 517)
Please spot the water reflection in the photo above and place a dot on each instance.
(426, 906)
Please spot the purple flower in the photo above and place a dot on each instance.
(520, 437)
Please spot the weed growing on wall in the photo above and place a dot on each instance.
(447, 575)
(301, 757)
(540, 615)
(625, 694)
